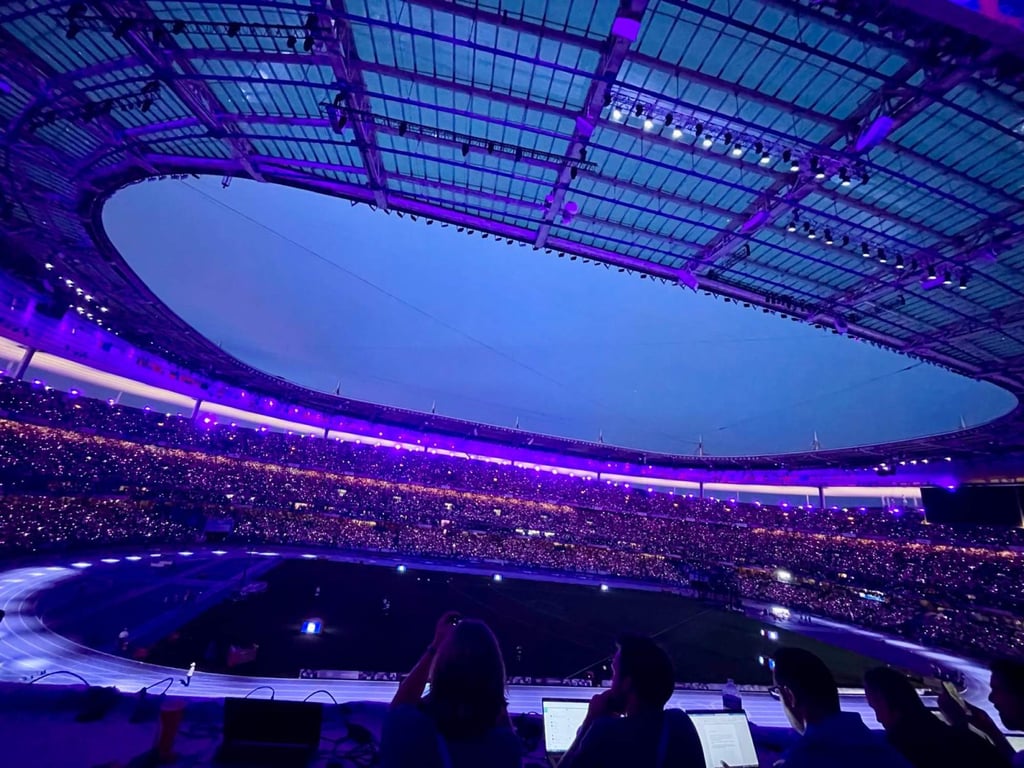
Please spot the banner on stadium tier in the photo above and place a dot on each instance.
(330, 674)
(243, 655)
(219, 525)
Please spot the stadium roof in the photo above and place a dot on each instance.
(843, 163)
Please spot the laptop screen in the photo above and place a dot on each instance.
(1016, 741)
(725, 738)
(562, 718)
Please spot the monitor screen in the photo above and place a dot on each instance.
(1016, 741)
(725, 737)
(562, 718)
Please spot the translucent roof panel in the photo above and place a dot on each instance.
(816, 165)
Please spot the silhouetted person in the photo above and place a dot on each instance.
(628, 725)
(1007, 696)
(830, 738)
(917, 733)
(463, 722)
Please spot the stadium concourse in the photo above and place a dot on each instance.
(30, 651)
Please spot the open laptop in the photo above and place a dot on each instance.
(725, 738)
(562, 718)
(268, 732)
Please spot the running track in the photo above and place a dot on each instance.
(28, 647)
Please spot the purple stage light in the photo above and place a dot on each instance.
(876, 132)
(755, 221)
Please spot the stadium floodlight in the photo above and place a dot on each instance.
(497, 577)
(81, 564)
(784, 576)
(401, 569)
(110, 560)
(312, 626)
(604, 587)
(186, 553)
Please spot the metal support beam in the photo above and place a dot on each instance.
(780, 198)
(191, 90)
(31, 73)
(341, 50)
(624, 31)
(23, 364)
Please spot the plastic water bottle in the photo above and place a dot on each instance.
(731, 699)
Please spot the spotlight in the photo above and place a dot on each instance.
(846, 240)
(899, 262)
(828, 237)
(291, 41)
(947, 278)
(963, 281)
(811, 234)
(616, 114)
(765, 158)
(759, 146)
(234, 28)
(882, 257)
(311, 22)
(737, 150)
(865, 250)
(792, 226)
(708, 141)
(931, 272)
(403, 128)
(728, 137)
(676, 132)
(308, 42)
(698, 129)
(819, 171)
(639, 110)
(668, 119)
(648, 124)
(147, 104)
(864, 178)
(844, 177)
(465, 149)
(312, 627)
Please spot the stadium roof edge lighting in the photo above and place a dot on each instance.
(607, 148)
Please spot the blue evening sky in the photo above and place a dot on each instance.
(312, 289)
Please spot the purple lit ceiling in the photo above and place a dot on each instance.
(699, 143)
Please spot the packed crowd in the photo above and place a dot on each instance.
(67, 486)
(34, 403)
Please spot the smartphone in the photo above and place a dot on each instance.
(954, 694)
